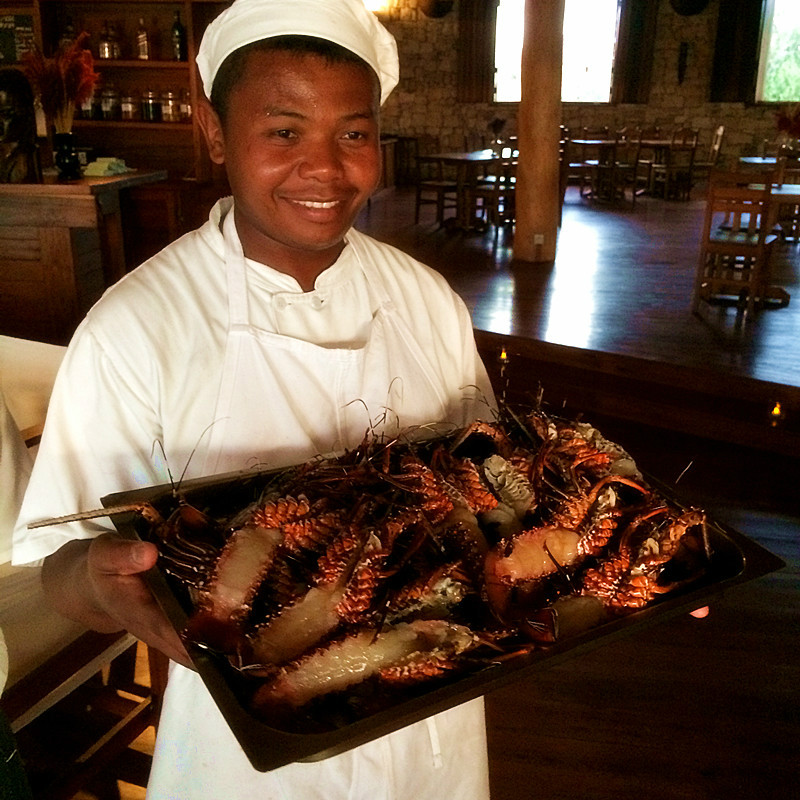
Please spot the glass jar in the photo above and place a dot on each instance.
(130, 109)
(186, 106)
(89, 106)
(151, 106)
(110, 104)
(170, 107)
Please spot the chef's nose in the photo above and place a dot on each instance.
(322, 161)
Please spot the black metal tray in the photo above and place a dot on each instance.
(736, 559)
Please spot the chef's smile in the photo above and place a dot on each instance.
(304, 158)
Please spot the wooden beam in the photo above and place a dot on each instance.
(538, 197)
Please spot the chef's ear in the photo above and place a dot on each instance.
(211, 125)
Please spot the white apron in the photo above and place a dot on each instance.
(305, 392)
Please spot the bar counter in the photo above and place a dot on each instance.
(61, 246)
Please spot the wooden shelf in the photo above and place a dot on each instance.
(149, 64)
(137, 125)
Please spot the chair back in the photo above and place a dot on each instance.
(737, 214)
(600, 132)
(496, 191)
(735, 243)
(683, 147)
(716, 145)
(787, 170)
(426, 145)
(475, 141)
(685, 137)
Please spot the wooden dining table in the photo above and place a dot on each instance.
(758, 161)
(782, 194)
(468, 165)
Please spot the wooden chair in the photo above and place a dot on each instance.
(787, 215)
(475, 141)
(626, 165)
(433, 187)
(563, 169)
(86, 695)
(493, 197)
(703, 167)
(673, 178)
(612, 170)
(582, 158)
(735, 245)
(74, 699)
(646, 157)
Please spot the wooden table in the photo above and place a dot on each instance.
(467, 164)
(61, 245)
(781, 194)
(758, 161)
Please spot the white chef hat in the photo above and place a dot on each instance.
(345, 22)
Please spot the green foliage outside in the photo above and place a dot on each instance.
(782, 75)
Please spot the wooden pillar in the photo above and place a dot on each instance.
(538, 195)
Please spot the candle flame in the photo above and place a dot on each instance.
(777, 411)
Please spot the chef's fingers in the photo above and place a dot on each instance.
(115, 567)
(114, 556)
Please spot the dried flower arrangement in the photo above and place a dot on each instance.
(62, 82)
(787, 119)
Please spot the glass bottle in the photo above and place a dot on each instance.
(186, 106)
(87, 109)
(68, 36)
(113, 39)
(178, 35)
(110, 103)
(142, 42)
(151, 106)
(104, 43)
(130, 109)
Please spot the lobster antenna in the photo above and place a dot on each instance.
(685, 470)
(194, 449)
(158, 443)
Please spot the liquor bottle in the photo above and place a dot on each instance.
(142, 42)
(104, 43)
(178, 39)
(68, 36)
(113, 38)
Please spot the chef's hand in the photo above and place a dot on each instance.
(99, 583)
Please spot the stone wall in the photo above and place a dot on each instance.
(424, 104)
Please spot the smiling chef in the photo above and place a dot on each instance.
(273, 333)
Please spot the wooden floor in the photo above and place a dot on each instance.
(621, 283)
(689, 709)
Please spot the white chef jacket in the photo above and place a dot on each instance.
(144, 367)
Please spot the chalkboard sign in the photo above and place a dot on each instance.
(16, 37)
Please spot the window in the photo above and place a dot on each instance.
(628, 36)
(590, 39)
(779, 64)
